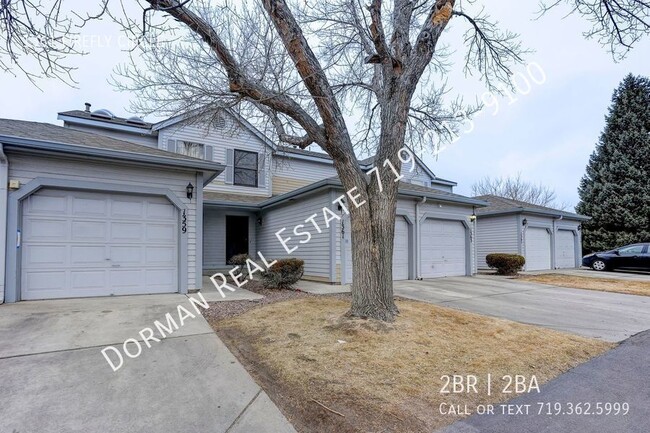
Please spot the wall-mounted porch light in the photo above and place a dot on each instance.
(190, 190)
(524, 222)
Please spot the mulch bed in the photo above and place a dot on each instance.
(227, 309)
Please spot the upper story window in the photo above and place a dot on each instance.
(245, 168)
(188, 148)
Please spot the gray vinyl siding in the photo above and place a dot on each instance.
(316, 252)
(497, 234)
(214, 236)
(143, 139)
(446, 188)
(312, 171)
(26, 168)
(232, 136)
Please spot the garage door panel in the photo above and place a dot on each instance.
(53, 280)
(160, 212)
(160, 233)
(47, 230)
(86, 206)
(46, 205)
(88, 280)
(87, 255)
(160, 255)
(45, 255)
(126, 255)
(444, 248)
(86, 231)
(127, 209)
(127, 232)
(155, 278)
(97, 244)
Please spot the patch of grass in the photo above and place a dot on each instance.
(628, 287)
(387, 377)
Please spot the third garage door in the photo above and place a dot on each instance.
(79, 244)
(538, 249)
(565, 249)
(444, 248)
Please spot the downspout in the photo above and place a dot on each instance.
(418, 275)
(4, 180)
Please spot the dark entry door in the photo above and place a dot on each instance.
(236, 235)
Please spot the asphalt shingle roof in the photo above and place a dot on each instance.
(47, 132)
(503, 204)
(233, 198)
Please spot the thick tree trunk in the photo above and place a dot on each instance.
(373, 224)
(372, 260)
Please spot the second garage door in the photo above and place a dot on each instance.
(444, 248)
(565, 249)
(78, 244)
(538, 249)
(400, 252)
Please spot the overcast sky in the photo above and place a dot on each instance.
(547, 135)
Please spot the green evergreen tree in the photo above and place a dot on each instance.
(615, 190)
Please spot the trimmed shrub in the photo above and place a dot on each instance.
(505, 264)
(283, 274)
(238, 259)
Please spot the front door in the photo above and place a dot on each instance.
(236, 235)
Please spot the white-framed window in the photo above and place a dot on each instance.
(189, 148)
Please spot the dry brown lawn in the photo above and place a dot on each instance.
(641, 288)
(387, 377)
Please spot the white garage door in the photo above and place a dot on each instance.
(565, 250)
(444, 248)
(78, 244)
(400, 251)
(538, 249)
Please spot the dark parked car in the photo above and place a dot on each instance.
(635, 256)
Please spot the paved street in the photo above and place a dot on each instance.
(620, 375)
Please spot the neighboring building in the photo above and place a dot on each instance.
(547, 238)
(99, 207)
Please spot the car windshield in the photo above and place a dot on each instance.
(634, 249)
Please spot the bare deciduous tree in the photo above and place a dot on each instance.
(342, 74)
(515, 188)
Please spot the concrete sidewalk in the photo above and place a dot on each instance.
(55, 379)
(608, 316)
(620, 375)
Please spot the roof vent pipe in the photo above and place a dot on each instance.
(87, 104)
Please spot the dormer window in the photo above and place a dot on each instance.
(189, 148)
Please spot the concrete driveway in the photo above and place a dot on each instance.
(55, 379)
(607, 316)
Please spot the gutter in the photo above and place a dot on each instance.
(4, 181)
(534, 211)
